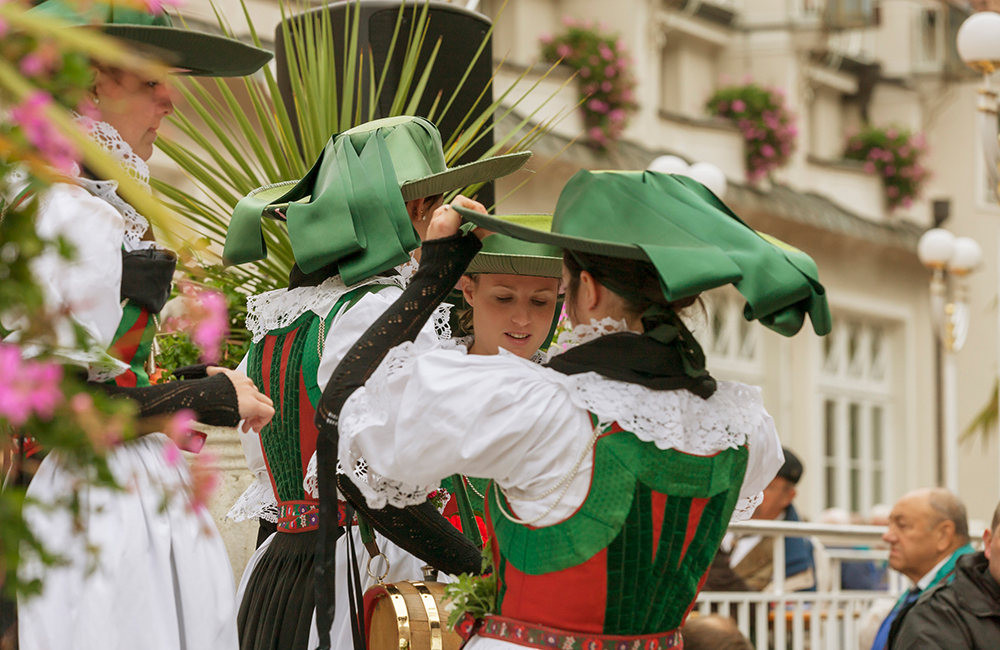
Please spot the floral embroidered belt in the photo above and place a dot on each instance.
(298, 516)
(532, 635)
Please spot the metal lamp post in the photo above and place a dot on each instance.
(979, 46)
(951, 259)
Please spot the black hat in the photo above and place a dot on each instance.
(792, 469)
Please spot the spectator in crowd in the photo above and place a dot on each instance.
(928, 531)
(751, 556)
(713, 632)
(963, 613)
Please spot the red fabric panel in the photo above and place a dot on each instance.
(308, 433)
(694, 518)
(658, 502)
(127, 346)
(573, 599)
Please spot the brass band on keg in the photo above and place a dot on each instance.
(430, 606)
(402, 616)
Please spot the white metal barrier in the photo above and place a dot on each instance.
(822, 620)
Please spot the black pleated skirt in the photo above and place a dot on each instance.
(277, 608)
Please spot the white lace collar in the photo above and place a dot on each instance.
(111, 141)
(584, 333)
(280, 308)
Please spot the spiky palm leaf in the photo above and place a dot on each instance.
(241, 152)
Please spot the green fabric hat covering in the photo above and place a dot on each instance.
(508, 256)
(350, 208)
(192, 52)
(693, 240)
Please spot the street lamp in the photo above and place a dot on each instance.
(979, 46)
(951, 259)
(705, 173)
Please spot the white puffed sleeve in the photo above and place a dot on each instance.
(423, 417)
(765, 459)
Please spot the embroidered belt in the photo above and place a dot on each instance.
(532, 635)
(298, 516)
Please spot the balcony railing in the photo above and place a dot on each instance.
(828, 619)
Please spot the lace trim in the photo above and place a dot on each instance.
(583, 333)
(108, 138)
(100, 365)
(669, 419)
(257, 502)
(280, 308)
(745, 507)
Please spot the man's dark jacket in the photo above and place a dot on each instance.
(962, 614)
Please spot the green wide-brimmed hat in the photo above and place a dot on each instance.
(190, 52)
(350, 208)
(508, 256)
(694, 241)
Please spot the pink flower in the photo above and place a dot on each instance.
(610, 71)
(869, 167)
(617, 115)
(546, 38)
(584, 72)
(905, 151)
(607, 86)
(892, 191)
(767, 151)
(569, 21)
(628, 95)
(739, 106)
(3, 28)
(620, 45)
(563, 51)
(907, 202)
(889, 171)
(41, 134)
(32, 65)
(605, 52)
(597, 106)
(596, 133)
(892, 134)
(27, 387)
(157, 6)
(205, 479)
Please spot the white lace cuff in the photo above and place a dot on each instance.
(745, 507)
(311, 482)
(257, 502)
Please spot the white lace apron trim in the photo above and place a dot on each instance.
(280, 308)
(670, 419)
(257, 502)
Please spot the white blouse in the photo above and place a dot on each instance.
(429, 412)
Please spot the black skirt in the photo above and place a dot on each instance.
(277, 608)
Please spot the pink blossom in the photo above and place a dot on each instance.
(569, 21)
(584, 72)
(620, 45)
(563, 51)
(597, 106)
(617, 115)
(205, 479)
(767, 151)
(3, 28)
(905, 151)
(628, 95)
(546, 38)
(869, 167)
(157, 6)
(889, 171)
(907, 202)
(605, 52)
(27, 387)
(918, 141)
(739, 106)
(213, 326)
(610, 71)
(42, 135)
(607, 86)
(104, 433)
(892, 134)
(32, 65)
(892, 191)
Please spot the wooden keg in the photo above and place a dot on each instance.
(408, 616)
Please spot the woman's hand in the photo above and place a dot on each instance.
(445, 222)
(256, 409)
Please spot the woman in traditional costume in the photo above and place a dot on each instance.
(353, 222)
(148, 570)
(616, 467)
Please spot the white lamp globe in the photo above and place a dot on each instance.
(979, 41)
(935, 248)
(710, 176)
(966, 256)
(668, 165)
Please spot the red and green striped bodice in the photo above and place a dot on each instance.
(634, 556)
(283, 365)
(133, 343)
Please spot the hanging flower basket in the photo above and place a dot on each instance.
(604, 74)
(895, 155)
(767, 125)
